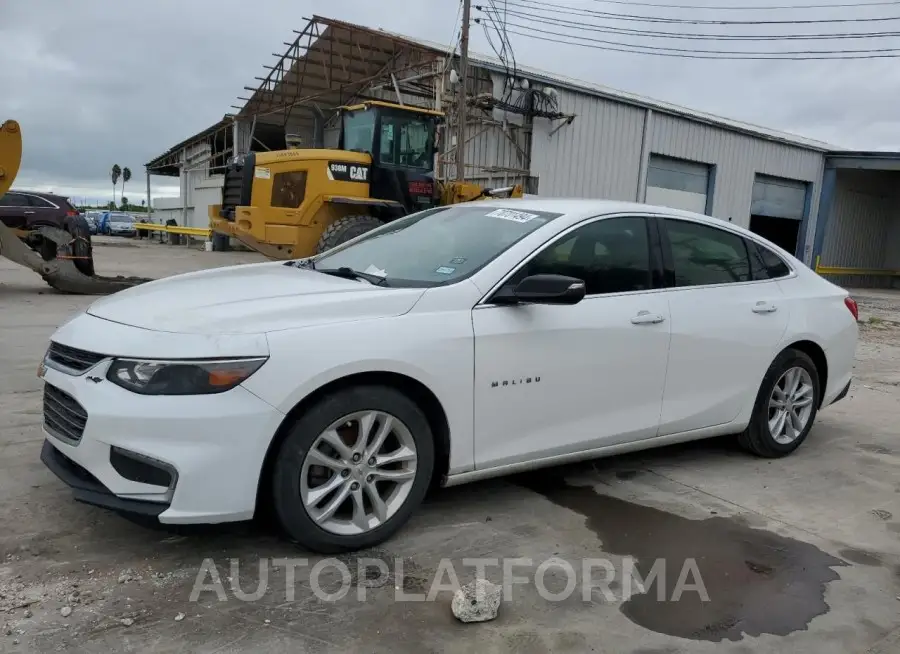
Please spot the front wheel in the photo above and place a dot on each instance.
(785, 408)
(352, 469)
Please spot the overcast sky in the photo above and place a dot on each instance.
(98, 82)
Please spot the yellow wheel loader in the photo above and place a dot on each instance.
(291, 204)
(59, 251)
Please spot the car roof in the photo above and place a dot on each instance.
(40, 194)
(577, 209)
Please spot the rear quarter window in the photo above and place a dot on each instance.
(766, 264)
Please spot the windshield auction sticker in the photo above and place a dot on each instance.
(509, 214)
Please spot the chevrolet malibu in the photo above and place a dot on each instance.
(451, 345)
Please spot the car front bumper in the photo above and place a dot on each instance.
(198, 458)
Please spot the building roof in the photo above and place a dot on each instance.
(561, 81)
(166, 163)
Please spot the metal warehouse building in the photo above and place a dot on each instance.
(557, 136)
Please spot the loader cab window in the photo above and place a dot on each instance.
(407, 141)
(359, 131)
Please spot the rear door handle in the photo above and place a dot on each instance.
(28, 213)
(764, 307)
(647, 318)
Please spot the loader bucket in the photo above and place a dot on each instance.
(60, 273)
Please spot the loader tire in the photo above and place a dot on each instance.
(344, 229)
(81, 243)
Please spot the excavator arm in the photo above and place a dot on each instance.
(60, 271)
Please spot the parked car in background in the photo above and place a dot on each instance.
(93, 220)
(454, 344)
(120, 224)
(28, 211)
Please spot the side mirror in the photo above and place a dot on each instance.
(544, 289)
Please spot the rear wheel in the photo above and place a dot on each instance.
(786, 406)
(352, 469)
(344, 229)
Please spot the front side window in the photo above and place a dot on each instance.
(406, 141)
(437, 246)
(359, 131)
(704, 255)
(13, 200)
(611, 255)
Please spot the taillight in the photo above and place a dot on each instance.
(854, 308)
(71, 213)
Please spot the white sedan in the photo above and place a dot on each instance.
(451, 345)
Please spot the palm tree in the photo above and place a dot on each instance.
(114, 175)
(126, 175)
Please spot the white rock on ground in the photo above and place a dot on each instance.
(65, 611)
(477, 601)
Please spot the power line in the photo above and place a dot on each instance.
(879, 3)
(628, 31)
(711, 52)
(607, 15)
(692, 54)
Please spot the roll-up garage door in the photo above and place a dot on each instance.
(778, 198)
(677, 183)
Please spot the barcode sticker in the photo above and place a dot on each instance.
(509, 214)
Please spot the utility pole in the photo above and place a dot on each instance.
(461, 107)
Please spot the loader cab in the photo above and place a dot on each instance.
(401, 142)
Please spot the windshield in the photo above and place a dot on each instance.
(406, 141)
(359, 131)
(437, 246)
(120, 219)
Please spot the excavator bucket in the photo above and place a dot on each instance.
(10, 154)
(60, 271)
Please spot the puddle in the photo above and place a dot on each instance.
(757, 582)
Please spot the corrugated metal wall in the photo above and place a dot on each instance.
(598, 155)
(864, 226)
(737, 158)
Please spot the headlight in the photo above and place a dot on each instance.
(149, 377)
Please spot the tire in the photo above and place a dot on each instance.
(758, 438)
(80, 231)
(292, 471)
(344, 229)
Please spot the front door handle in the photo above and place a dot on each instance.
(28, 213)
(647, 318)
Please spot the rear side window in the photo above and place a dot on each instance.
(41, 202)
(704, 255)
(767, 264)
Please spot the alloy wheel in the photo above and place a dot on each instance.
(791, 405)
(358, 472)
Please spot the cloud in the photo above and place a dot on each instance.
(97, 82)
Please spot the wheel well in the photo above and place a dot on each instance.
(414, 389)
(817, 354)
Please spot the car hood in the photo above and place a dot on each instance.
(251, 298)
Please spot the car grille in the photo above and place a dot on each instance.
(64, 417)
(72, 358)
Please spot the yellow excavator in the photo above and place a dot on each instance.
(60, 253)
(294, 203)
